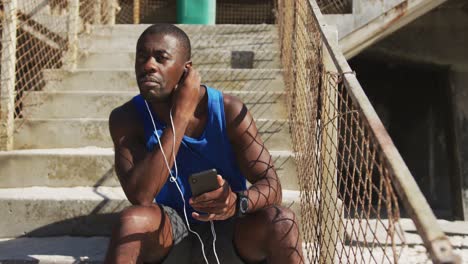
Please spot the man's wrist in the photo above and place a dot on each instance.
(181, 116)
(242, 204)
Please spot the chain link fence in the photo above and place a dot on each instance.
(43, 37)
(227, 11)
(335, 6)
(41, 40)
(353, 185)
(34, 38)
(351, 177)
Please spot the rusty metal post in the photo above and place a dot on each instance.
(136, 11)
(73, 24)
(330, 204)
(97, 12)
(7, 82)
(111, 7)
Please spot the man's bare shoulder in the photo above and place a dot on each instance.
(124, 120)
(234, 110)
(237, 116)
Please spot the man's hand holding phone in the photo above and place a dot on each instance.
(219, 204)
(186, 95)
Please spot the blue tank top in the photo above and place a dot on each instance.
(211, 150)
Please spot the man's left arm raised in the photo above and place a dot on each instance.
(255, 163)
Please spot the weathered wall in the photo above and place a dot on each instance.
(438, 38)
(460, 89)
(363, 11)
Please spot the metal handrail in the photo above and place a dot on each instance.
(435, 241)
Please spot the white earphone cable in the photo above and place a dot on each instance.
(174, 180)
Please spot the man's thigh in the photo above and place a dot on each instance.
(250, 235)
(255, 233)
(189, 250)
(181, 242)
(156, 244)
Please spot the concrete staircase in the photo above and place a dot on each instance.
(58, 188)
(372, 20)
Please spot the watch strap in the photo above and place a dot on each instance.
(241, 197)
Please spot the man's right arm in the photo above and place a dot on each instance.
(142, 174)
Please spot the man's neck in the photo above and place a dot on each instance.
(163, 108)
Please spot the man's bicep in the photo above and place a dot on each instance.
(125, 159)
(253, 157)
(127, 150)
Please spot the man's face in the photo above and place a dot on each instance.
(159, 65)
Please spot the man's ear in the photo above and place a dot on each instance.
(188, 63)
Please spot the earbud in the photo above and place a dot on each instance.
(182, 78)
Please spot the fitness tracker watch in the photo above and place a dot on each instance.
(242, 204)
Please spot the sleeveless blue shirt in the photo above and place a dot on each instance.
(211, 150)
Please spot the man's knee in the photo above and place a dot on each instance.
(145, 225)
(141, 219)
(281, 221)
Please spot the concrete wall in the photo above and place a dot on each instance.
(439, 38)
(460, 90)
(363, 11)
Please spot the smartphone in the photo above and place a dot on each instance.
(202, 182)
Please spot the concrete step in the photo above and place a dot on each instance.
(90, 166)
(43, 211)
(74, 133)
(201, 59)
(85, 250)
(111, 79)
(43, 15)
(60, 249)
(99, 104)
(128, 30)
(200, 42)
(263, 45)
(79, 211)
(63, 250)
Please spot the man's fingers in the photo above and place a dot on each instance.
(206, 206)
(220, 180)
(208, 203)
(211, 209)
(204, 218)
(213, 195)
(205, 198)
(211, 205)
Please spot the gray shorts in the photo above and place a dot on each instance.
(187, 247)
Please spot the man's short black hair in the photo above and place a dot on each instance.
(169, 29)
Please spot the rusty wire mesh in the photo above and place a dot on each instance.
(41, 42)
(42, 33)
(151, 11)
(335, 6)
(227, 11)
(350, 210)
(96, 12)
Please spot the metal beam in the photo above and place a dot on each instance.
(387, 23)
